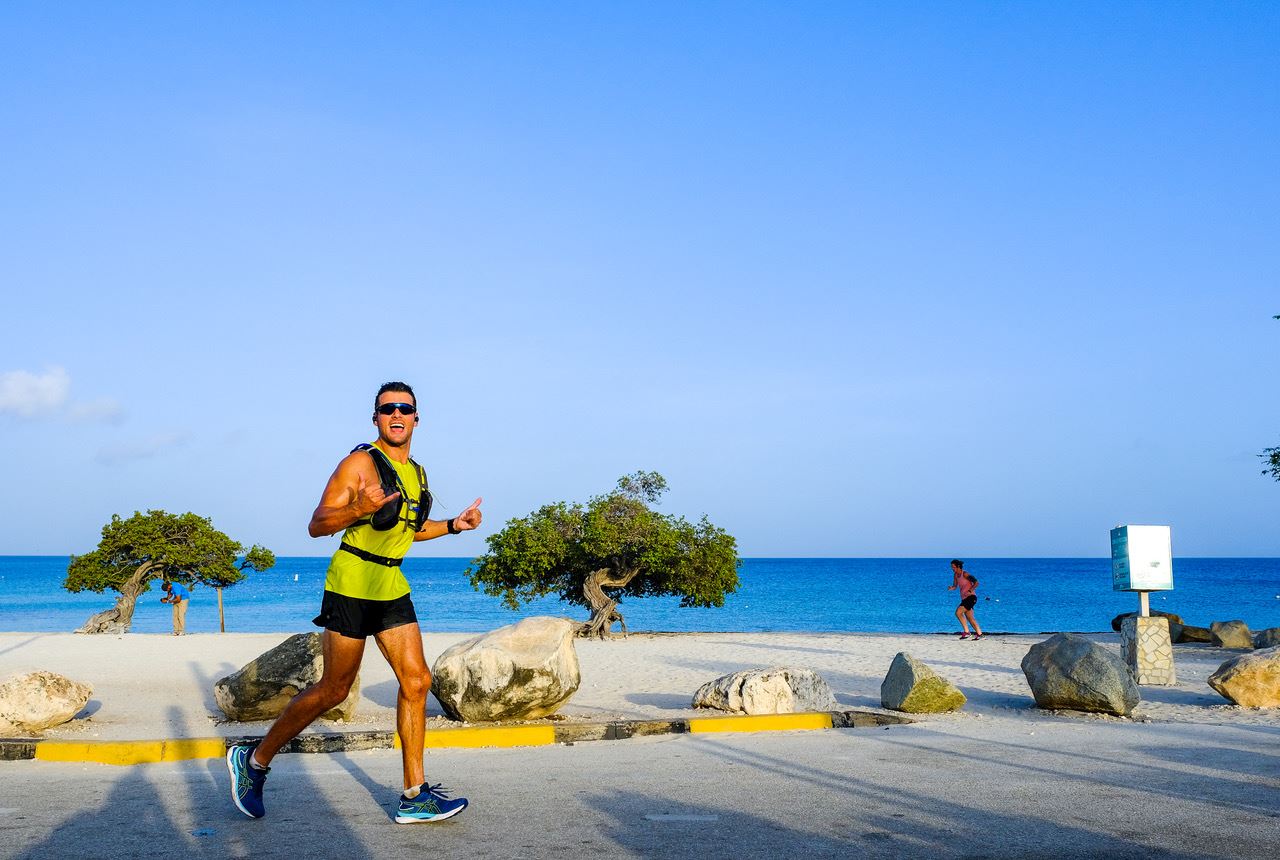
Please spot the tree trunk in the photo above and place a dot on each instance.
(222, 622)
(118, 618)
(604, 609)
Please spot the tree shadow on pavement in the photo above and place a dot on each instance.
(138, 816)
(833, 807)
(861, 820)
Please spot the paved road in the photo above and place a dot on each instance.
(998, 790)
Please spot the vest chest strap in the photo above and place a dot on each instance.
(386, 561)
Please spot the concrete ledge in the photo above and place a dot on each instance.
(540, 734)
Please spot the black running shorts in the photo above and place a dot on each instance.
(970, 601)
(358, 618)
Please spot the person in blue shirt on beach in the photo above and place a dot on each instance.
(177, 594)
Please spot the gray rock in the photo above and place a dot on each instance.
(776, 690)
(522, 671)
(1231, 634)
(1069, 672)
(1186, 633)
(1268, 638)
(39, 700)
(1250, 680)
(261, 689)
(1119, 619)
(912, 687)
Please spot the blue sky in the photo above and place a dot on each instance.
(859, 279)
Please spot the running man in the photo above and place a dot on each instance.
(378, 499)
(968, 585)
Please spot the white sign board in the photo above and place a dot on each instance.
(1141, 558)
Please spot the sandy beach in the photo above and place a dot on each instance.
(159, 686)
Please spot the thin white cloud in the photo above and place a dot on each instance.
(141, 449)
(103, 409)
(28, 394)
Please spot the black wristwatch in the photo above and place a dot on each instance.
(453, 530)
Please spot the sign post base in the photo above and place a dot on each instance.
(1147, 649)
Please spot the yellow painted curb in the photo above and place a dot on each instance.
(146, 752)
(130, 752)
(488, 736)
(760, 723)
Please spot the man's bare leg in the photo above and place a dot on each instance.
(961, 614)
(402, 646)
(342, 656)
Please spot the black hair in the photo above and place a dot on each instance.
(394, 386)
(958, 563)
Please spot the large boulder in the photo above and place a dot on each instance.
(522, 671)
(263, 686)
(914, 688)
(1119, 619)
(1184, 633)
(1250, 680)
(776, 690)
(1069, 672)
(1268, 638)
(39, 700)
(1231, 634)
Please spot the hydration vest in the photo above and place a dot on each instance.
(388, 515)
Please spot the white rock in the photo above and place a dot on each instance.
(522, 671)
(40, 700)
(776, 690)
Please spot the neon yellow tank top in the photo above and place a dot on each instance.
(352, 576)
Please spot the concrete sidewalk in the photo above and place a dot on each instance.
(965, 790)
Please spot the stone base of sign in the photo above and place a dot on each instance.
(1148, 650)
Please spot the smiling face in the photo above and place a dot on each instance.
(395, 429)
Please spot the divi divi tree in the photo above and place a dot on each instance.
(184, 548)
(613, 547)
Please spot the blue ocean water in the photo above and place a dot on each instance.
(776, 594)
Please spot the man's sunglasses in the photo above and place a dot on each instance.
(390, 408)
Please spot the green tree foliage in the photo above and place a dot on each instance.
(184, 548)
(615, 546)
(1271, 462)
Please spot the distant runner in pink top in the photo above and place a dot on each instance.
(968, 585)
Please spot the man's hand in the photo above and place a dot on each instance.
(370, 498)
(470, 518)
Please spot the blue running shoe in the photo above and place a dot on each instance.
(246, 781)
(433, 803)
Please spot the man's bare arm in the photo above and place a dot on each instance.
(353, 492)
(465, 521)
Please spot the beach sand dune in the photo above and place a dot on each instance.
(152, 686)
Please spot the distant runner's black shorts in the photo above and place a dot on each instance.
(967, 603)
(358, 618)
